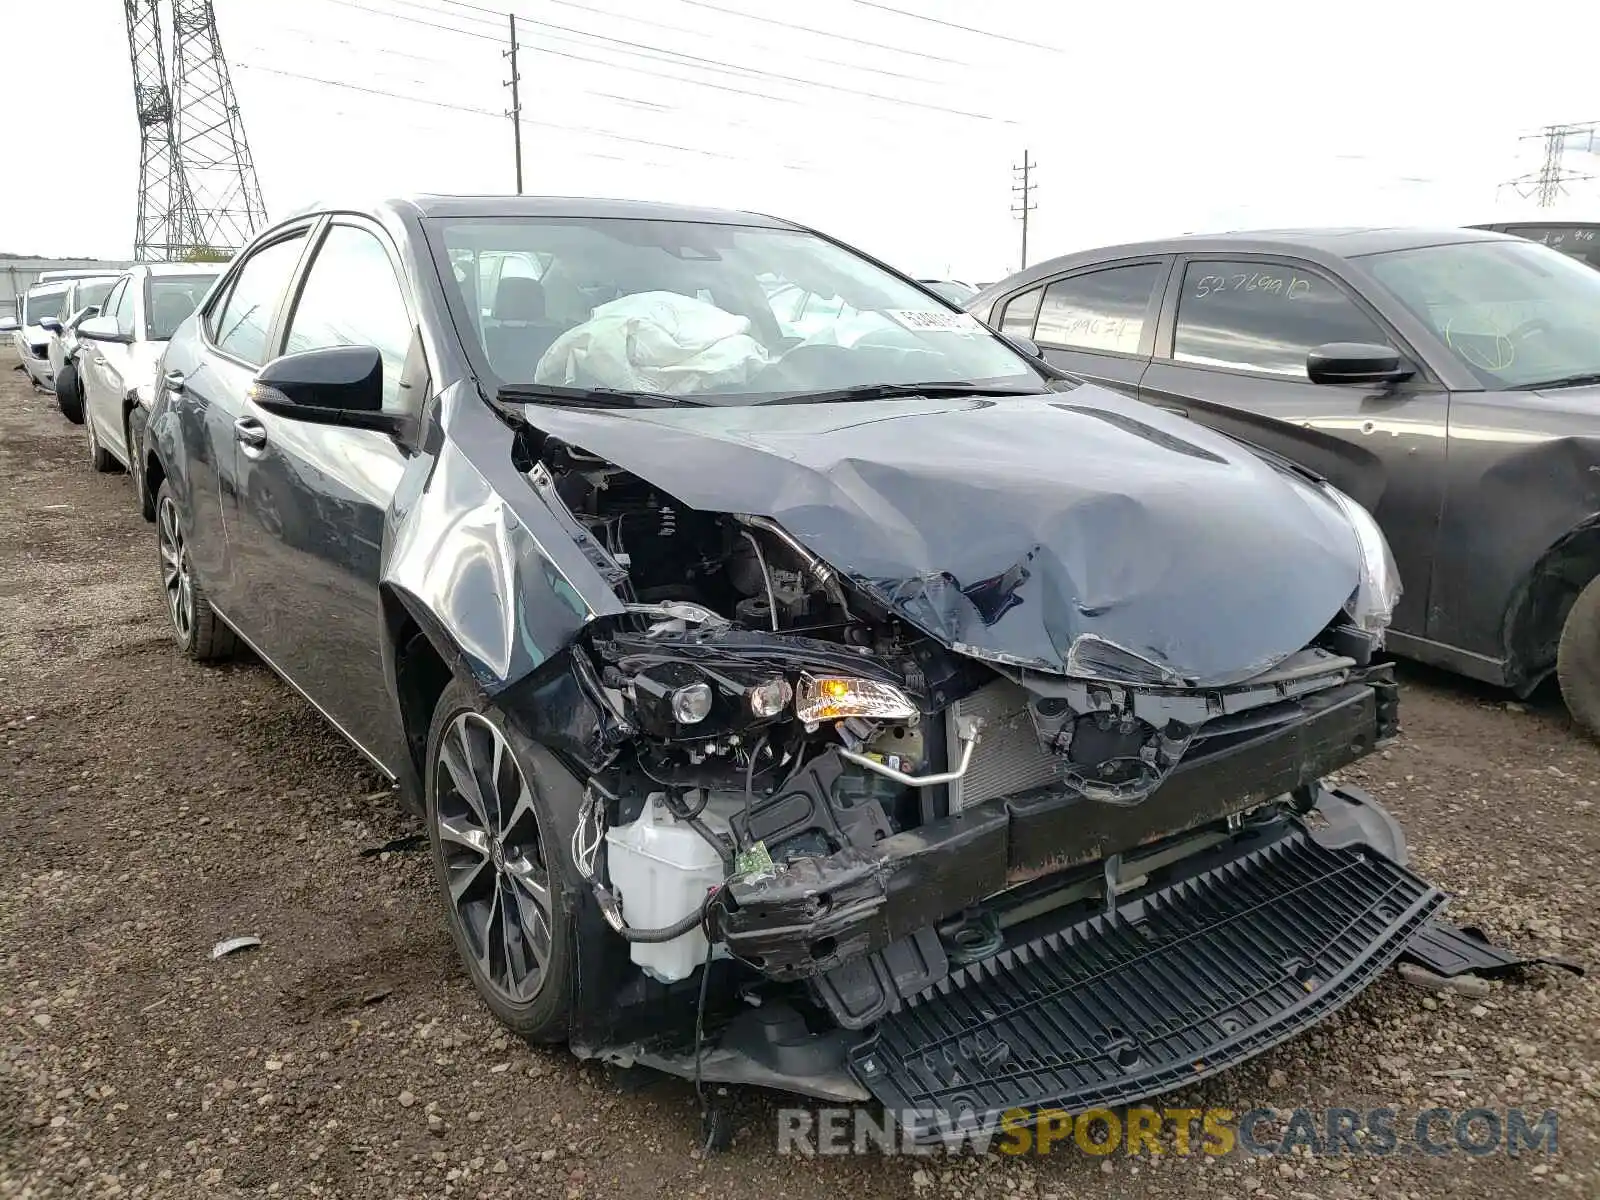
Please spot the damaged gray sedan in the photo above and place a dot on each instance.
(857, 708)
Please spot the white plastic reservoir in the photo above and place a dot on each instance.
(661, 871)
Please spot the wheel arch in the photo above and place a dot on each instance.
(1540, 604)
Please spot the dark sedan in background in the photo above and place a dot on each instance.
(1449, 380)
(1575, 239)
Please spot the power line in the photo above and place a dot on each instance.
(843, 37)
(655, 53)
(633, 19)
(489, 112)
(999, 37)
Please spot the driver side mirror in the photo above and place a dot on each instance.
(51, 324)
(9, 325)
(340, 385)
(1356, 362)
(1024, 344)
(102, 329)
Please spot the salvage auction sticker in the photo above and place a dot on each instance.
(935, 321)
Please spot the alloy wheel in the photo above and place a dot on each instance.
(175, 574)
(498, 881)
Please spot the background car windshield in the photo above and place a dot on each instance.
(169, 299)
(1514, 312)
(956, 293)
(93, 293)
(39, 305)
(732, 313)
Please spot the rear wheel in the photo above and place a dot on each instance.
(498, 865)
(134, 434)
(99, 457)
(197, 629)
(69, 393)
(1578, 660)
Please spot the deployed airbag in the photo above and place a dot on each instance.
(655, 342)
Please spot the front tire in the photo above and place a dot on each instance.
(69, 393)
(199, 632)
(1578, 660)
(499, 864)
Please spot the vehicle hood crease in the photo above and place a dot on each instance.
(1008, 528)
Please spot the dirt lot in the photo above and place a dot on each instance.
(152, 807)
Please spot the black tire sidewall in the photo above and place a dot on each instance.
(1578, 660)
(69, 396)
(545, 1017)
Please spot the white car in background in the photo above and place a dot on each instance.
(83, 298)
(42, 302)
(119, 353)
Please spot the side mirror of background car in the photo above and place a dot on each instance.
(1027, 345)
(51, 324)
(102, 329)
(341, 385)
(8, 325)
(1356, 362)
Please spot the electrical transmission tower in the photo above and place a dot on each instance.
(1024, 187)
(166, 216)
(1548, 183)
(213, 154)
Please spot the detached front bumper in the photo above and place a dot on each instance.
(816, 914)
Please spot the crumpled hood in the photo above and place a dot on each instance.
(1008, 527)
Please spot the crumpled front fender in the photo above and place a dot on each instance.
(478, 559)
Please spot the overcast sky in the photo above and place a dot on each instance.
(895, 132)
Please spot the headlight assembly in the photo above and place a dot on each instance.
(836, 697)
(1372, 604)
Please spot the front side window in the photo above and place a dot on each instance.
(728, 313)
(1261, 316)
(108, 306)
(169, 299)
(1099, 310)
(245, 322)
(1516, 313)
(352, 297)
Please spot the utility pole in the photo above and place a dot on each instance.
(1024, 186)
(1547, 184)
(516, 100)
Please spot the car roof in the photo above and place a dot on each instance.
(1323, 243)
(49, 285)
(178, 268)
(574, 206)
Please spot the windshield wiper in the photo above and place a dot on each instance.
(892, 391)
(1581, 379)
(576, 397)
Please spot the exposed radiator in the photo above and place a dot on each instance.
(1008, 757)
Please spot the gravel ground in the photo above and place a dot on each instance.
(153, 806)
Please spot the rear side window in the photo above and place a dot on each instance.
(245, 321)
(1019, 313)
(352, 297)
(1099, 310)
(169, 299)
(1257, 316)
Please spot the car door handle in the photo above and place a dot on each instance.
(250, 433)
(174, 381)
